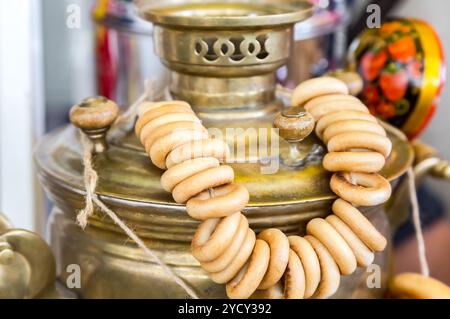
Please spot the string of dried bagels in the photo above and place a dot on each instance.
(270, 264)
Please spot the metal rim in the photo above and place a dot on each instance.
(271, 15)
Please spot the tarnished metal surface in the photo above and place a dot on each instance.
(238, 95)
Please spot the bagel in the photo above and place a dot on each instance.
(208, 178)
(359, 224)
(368, 190)
(221, 262)
(294, 278)
(244, 284)
(330, 276)
(336, 245)
(176, 174)
(226, 200)
(352, 126)
(147, 107)
(171, 128)
(360, 140)
(163, 110)
(210, 147)
(279, 256)
(312, 88)
(164, 145)
(415, 286)
(323, 109)
(359, 162)
(364, 256)
(329, 98)
(213, 236)
(159, 121)
(310, 263)
(224, 276)
(335, 117)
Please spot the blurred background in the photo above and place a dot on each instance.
(53, 53)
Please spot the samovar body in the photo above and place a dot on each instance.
(222, 58)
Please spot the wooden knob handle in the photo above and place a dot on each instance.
(94, 113)
(294, 124)
(94, 116)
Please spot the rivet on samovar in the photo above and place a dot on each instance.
(94, 116)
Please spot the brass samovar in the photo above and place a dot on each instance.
(222, 56)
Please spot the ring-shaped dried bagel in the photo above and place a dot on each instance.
(210, 147)
(310, 263)
(360, 140)
(312, 88)
(150, 139)
(361, 162)
(221, 262)
(336, 245)
(214, 236)
(294, 278)
(163, 110)
(274, 292)
(335, 117)
(162, 120)
(164, 145)
(352, 126)
(323, 109)
(279, 256)
(364, 256)
(208, 178)
(178, 173)
(330, 276)
(218, 202)
(329, 98)
(417, 286)
(369, 189)
(244, 284)
(238, 261)
(359, 224)
(146, 107)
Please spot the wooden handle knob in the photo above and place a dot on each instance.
(94, 116)
(94, 113)
(294, 124)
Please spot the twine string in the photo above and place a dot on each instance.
(425, 270)
(149, 95)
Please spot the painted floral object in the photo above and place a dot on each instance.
(402, 65)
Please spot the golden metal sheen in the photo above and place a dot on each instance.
(27, 265)
(223, 56)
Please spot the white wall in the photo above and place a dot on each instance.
(438, 133)
(21, 109)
